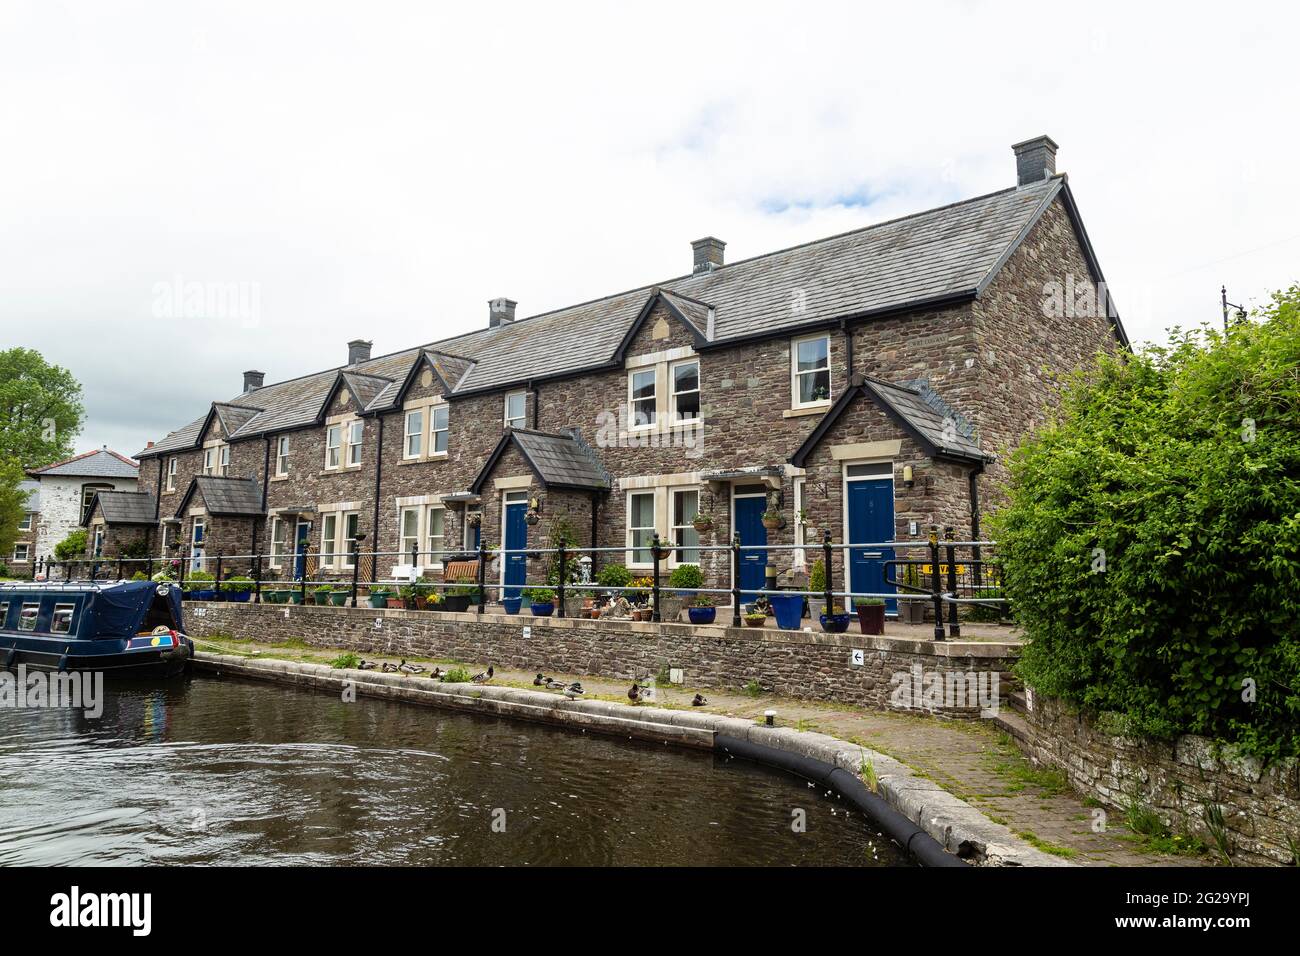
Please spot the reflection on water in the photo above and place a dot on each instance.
(220, 771)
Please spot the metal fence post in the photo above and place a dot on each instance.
(356, 569)
(482, 576)
(936, 583)
(302, 581)
(735, 580)
(119, 568)
(954, 626)
(148, 567)
(184, 555)
(654, 555)
(257, 578)
(827, 557)
(559, 590)
(219, 560)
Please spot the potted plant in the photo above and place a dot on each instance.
(912, 612)
(474, 520)
(702, 610)
(320, 594)
(460, 598)
(295, 595)
(378, 597)
(788, 609)
(541, 601)
(238, 588)
(198, 586)
(686, 579)
(755, 618)
(512, 604)
(772, 518)
(817, 583)
(835, 620)
(532, 517)
(871, 615)
(702, 523)
(338, 596)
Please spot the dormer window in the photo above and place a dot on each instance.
(516, 409)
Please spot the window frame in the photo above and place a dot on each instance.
(435, 559)
(678, 554)
(800, 526)
(172, 464)
(796, 375)
(507, 420)
(403, 539)
(282, 456)
(61, 608)
(208, 467)
(26, 521)
(35, 608)
(223, 460)
(278, 552)
(674, 416)
(418, 435)
(630, 530)
(333, 433)
(653, 398)
(356, 440)
(445, 430)
(27, 552)
(330, 521)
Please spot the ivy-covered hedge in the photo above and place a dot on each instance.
(1152, 538)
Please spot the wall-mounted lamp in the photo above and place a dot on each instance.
(535, 504)
(908, 480)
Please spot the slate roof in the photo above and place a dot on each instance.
(940, 429)
(100, 463)
(123, 507)
(558, 460)
(940, 255)
(239, 497)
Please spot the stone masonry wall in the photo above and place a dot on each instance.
(1261, 805)
(791, 663)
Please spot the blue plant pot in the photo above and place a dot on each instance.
(239, 597)
(788, 609)
(835, 623)
(702, 615)
(512, 605)
(204, 595)
(544, 610)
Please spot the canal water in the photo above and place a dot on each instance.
(235, 772)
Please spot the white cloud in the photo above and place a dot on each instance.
(384, 169)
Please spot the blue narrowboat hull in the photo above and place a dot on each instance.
(114, 657)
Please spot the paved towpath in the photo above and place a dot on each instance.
(970, 759)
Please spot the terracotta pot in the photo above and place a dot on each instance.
(871, 618)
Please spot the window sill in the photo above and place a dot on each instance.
(425, 459)
(804, 410)
(279, 477)
(346, 469)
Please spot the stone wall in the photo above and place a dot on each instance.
(1261, 805)
(791, 663)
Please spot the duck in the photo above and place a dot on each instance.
(574, 691)
(699, 701)
(389, 668)
(553, 684)
(634, 692)
(436, 673)
(365, 665)
(540, 681)
(406, 668)
(484, 677)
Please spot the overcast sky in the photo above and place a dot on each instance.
(381, 170)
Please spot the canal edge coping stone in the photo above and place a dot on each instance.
(959, 827)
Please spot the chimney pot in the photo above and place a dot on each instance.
(501, 312)
(148, 444)
(708, 254)
(253, 380)
(359, 351)
(1035, 160)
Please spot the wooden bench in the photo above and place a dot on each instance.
(461, 572)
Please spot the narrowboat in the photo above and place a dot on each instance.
(121, 628)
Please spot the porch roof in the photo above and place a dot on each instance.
(558, 460)
(122, 507)
(234, 497)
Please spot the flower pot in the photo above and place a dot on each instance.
(816, 607)
(835, 623)
(239, 597)
(316, 597)
(421, 602)
(456, 602)
(512, 605)
(703, 527)
(338, 598)
(206, 594)
(532, 518)
(774, 524)
(295, 597)
(377, 599)
(911, 612)
(871, 618)
(702, 615)
(543, 610)
(788, 609)
(755, 621)
(397, 603)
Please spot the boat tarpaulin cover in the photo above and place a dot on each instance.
(119, 609)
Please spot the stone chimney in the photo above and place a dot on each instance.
(253, 380)
(708, 254)
(501, 312)
(359, 351)
(1035, 160)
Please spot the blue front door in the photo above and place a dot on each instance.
(516, 539)
(871, 521)
(300, 550)
(749, 525)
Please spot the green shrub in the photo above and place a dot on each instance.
(1151, 541)
(199, 580)
(345, 661)
(539, 595)
(817, 576)
(686, 577)
(238, 584)
(457, 675)
(613, 576)
(136, 550)
(71, 547)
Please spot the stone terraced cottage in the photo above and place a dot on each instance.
(59, 500)
(869, 383)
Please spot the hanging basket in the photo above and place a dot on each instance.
(475, 521)
(532, 518)
(774, 522)
(702, 524)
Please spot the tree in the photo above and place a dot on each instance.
(40, 409)
(13, 504)
(72, 547)
(1151, 540)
